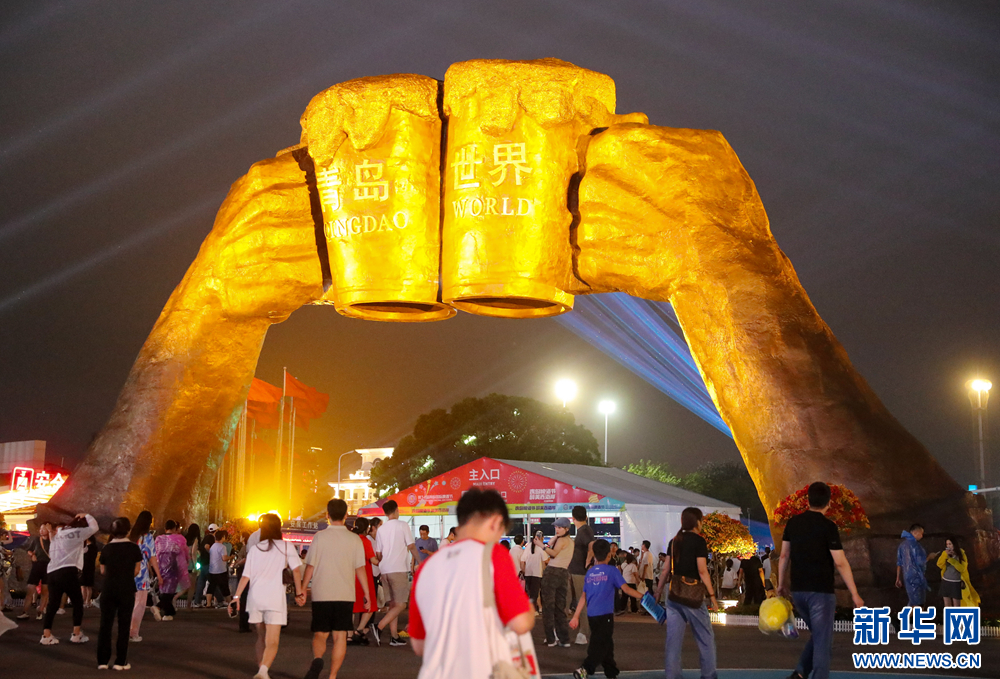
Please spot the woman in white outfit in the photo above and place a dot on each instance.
(266, 603)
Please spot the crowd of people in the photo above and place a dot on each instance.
(577, 585)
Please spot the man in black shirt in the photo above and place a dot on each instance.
(811, 546)
(583, 555)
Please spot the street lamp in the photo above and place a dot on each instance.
(606, 407)
(566, 391)
(979, 395)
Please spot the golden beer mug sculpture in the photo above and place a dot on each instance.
(516, 132)
(376, 144)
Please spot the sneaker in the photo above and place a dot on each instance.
(580, 674)
(378, 640)
(564, 644)
(40, 616)
(167, 617)
(550, 644)
(80, 638)
(581, 639)
(135, 639)
(23, 616)
(397, 641)
(61, 611)
(102, 667)
(157, 614)
(126, 666)
(314, 669)
(196, 605)
(49, 641)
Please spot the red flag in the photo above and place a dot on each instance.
(265, 414)
(309, 402)
(263, 392)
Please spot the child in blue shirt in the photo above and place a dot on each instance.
(599, 588)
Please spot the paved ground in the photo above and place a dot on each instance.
(206, 644)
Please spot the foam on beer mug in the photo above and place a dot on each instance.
(516, 130)
(376, 145)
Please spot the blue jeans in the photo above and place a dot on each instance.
(678, 618)
(817, 610)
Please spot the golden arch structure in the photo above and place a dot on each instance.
(505, 191)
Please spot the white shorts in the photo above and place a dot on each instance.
(269, 617)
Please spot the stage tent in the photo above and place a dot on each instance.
(622, 507)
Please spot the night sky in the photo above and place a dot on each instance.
(872, 131)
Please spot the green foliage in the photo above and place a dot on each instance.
(498, 426)
(726, 481)
(658, 471)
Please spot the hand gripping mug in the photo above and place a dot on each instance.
(516, 131)
(376, 145)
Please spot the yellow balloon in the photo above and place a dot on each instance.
(773, 614)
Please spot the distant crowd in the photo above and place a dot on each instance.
(472, 601)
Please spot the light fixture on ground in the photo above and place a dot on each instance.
(979, 395)
(606, 407)
(566, 391)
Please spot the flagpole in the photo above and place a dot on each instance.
(281, 428)
(291, 459)
(253, 453)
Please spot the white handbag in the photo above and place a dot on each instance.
(523, 663)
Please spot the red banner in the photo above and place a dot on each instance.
(523, 491)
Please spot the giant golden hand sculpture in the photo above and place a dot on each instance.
(664, 214)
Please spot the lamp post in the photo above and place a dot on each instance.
(606, 407)
(566, 391)
(979, 395)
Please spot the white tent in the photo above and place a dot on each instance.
(651, 510)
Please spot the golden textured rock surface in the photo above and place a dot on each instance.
(376, 143)
(665, 214)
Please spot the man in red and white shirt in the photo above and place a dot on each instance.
(447, 620)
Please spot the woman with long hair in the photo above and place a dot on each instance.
(193, 539)
(266, 602)
(533, 557)
(687, 567)
(171, 555)
(555, 584)
(956, 587)
(360, 636)
(142, 535)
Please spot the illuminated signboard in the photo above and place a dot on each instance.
(22, 479)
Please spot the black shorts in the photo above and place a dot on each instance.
(220, 582)
(38, 574)
(333, 616)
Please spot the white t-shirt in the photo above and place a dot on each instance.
(217, 559)
(376, 571)
(631, 573)
(515, 555)
(533, 562)
(767, 567)
(447, 612)
(392, 542)
(263, 567)
(731, 576)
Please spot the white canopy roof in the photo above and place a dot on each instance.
(623, 486)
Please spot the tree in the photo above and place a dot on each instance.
(498, 426)
(726, 481)
(658, 471)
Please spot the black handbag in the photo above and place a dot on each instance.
(685, 591)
